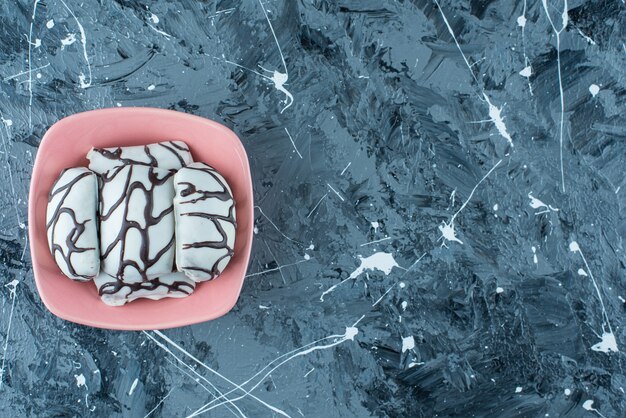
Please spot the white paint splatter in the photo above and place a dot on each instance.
(594, 89)
(83, 41)
(448, 233)
(588, 405)
(279, 269)
(534, 250)
(151, 87)
(68, 40)
(582, 272)
(447, 229)
(50, 24)
(573, 247)
(12, 286)
(16, 201)
(316, 205)
(404, 304)
(408, 343)
(154, 18)
(133, 387)
(378, 261)
(499, 290)
(159, 31)
(375, 225)
(293, 143)
(526, 71)
(538, 204)
(607, 343)
(80, 380)
(349, 334)
(567, 392)
(336, 192)
(307, 257)
(586, 38)
(279, 79)
(272, 223)
(518, 389)
(280, 266)
(191, 369)
(344, 170)
(496, 118)
(375, 241)
(263, 307)
(383, 295)
(37, 43)
(413, 364)
(494, 112)
(565, 19)
(159, 403)
(30, 78)
(495, 207)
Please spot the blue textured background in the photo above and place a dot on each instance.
(434, 129)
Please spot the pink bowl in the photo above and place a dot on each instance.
(65, 145)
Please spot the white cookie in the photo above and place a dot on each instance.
(205, 222)
(137, 222)
(71, 224)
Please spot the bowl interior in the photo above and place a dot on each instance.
(66, 144)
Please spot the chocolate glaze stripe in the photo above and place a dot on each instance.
(115, 285)
(70, 241)
(224, 195)
(129, 187)
(106, 178)
(115, 154)
(127, 225)
(173, 151)
(78, 228)
(67, 188)
(214, 271)
(215, 219)
(179, 147)
(153, 160)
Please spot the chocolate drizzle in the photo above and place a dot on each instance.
(174, 151)
(69, 246)
(115, 285)
(145, 262)
(169, 155)
(190, 188)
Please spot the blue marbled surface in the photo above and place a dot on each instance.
(440, 223)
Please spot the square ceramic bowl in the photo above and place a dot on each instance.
(66, 144)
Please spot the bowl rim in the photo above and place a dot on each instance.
(132, 326)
